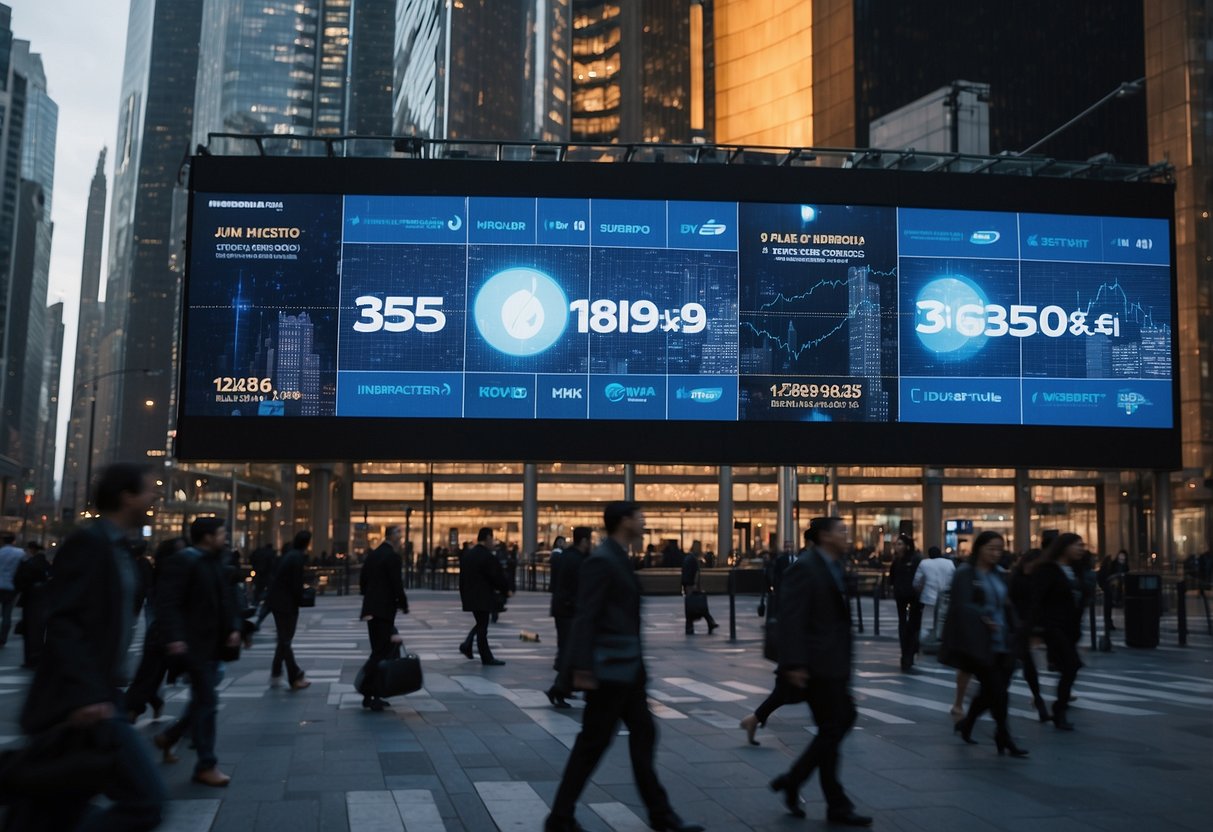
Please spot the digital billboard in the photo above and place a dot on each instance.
(497, 311)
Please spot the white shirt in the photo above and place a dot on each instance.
(934, 576)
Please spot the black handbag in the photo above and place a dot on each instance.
(308, 598)
(696, 605)
(617, 659)
(394, 676)
(770, 639)
(63, 759)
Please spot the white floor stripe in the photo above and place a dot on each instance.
(514, 807)
(562, 728)
(881, 716)
(189, 815)
(663, 712)
(904, 699)
(662, 696)
(715, 718)
(619, 817)
(709, 692)
(418, 810)
(744, 688)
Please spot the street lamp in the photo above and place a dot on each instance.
(92, 423)
(1124, 90)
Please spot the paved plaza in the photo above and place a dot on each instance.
(481, 749)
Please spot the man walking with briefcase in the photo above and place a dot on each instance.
(604, 658)
(382, 594)
(696, 601)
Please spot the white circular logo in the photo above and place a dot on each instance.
(522, 314)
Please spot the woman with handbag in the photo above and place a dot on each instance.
(1057, 604)
(979, 635)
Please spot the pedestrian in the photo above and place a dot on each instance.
(284, 598)
(198, 622)
(482, 583)
(89, 627)
(382, 589)
(697, 608)
(263, 561)
(909, 611)
(783, 693)
(815, 655)
(31, 581)
(1057, 610)
(11, 557)
(932, 579)
(605, 659)
(979, 637)
(1022, 590)
(566, 575)
(153, 664)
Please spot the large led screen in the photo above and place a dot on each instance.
(433, 309)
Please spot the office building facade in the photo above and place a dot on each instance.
(369, 95)
(44, 502)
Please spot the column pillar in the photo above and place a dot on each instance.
(530, 511)
(785, 519)
(1023, 511)
(629, 481)
(1164, 541)
(724, 528)
(932, 508)
(343, 505)
(321, 488)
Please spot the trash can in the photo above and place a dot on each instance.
(1143, 609)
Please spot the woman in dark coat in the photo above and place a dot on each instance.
(1021, 596)
(979, 637)
(1057, 602)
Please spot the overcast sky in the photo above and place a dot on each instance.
(81, 43)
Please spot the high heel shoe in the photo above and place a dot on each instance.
(1042, 711)
(750, 725)
(1007, 745)
(965, 730)
(791, 795)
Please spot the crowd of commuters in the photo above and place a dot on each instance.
(81, 604)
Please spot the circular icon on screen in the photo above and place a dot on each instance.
(521, 311)
(950, 318)
(615, 392)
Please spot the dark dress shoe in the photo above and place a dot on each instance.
(557, 699)
(848, 818)
(673, 823)
(466, 649)
(791, 795)
(492, 663)
(555, 824)
(375, 704)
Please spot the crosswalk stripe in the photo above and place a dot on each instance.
(714, 718)
(744, 688)
(663, 712)
(881, 716)
(662, 696)
(710, 692)
(513, 805)
(563, 729)
(905, 699)
(619, 817)
(189, 815)
(418, 810)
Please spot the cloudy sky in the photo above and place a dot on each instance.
(81, 43)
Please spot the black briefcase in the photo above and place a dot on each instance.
(770, 639)
(309, 597)
(697, 605)
(399, 676)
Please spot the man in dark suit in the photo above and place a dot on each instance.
(284, 598)
(690, 585)
(382, 590)
(89, 626)
(197, 618)
(815, 656)
(566, 572)
(604, 657)
(263, 561)
(481, 578)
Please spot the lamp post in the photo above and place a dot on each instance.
(92, 424)
(1124, 90)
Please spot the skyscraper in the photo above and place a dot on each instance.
(154, 131)
(863, 331)
(272, 66)
(482, 69)
(369, 98)
(642, 72)
(48, 412)
(88, 329)
(12, 127)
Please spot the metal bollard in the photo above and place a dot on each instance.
(1181, 612)
(876, 608)
(732, 605)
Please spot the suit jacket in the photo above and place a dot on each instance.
(690, 570)
(480, 579)
(262, 561)
(195, 602)
(555, 566)
(565, 580)
(901, 577)
(608, 603)
(814, 620)
(83, 659)
(967, 643)
(1053, 606)
(381, 584)
(286, 587)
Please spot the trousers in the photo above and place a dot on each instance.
(834, 712)
(480, 632)
(909, 620)
(604, 708)
(285, 622)
(782, 694)
(199, 718)
(993, 696)
(380, 632)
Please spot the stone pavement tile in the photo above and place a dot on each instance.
(413, 781)
(237, 815)
(934, 819)
(244, 789)
(288, 816)
(333, 783)
(189, 815)
(334, 816)
(405, 762)
(473, 815)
